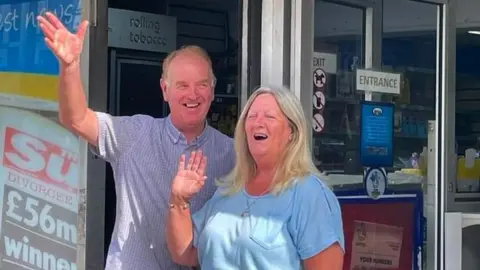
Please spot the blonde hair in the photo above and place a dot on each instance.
(295, 162)
(194, 49)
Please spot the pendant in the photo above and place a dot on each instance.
(244, 214)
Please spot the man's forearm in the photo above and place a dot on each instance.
(72, 103)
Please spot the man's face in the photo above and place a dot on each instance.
(188, 90)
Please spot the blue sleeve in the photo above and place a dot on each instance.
(199, 218)
(316, 221)
(117, 134)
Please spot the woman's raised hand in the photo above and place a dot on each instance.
(190, 178)
(65, 45)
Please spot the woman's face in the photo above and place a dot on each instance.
(266, 128)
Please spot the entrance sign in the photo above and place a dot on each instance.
(141, 31)
(376, 134)
(379, 82)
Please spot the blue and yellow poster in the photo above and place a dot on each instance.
(28, 70)
(39, 159)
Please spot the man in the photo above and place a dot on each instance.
(143, 151)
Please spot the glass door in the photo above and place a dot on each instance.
(377, 89)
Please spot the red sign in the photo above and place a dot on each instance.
(40, 159)
(378, 235)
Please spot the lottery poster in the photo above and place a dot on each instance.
(376, 246)
(379, 235)
(39, 159)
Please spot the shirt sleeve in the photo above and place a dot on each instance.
(117, 134)
(316, 221)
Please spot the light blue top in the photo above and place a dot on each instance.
(279, 233)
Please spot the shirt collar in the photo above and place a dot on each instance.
(176, 136)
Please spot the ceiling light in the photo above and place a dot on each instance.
(474, 32)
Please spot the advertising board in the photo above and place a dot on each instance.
(40, 163)
(386, 233)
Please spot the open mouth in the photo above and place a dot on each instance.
(260, 136)
(191, 105)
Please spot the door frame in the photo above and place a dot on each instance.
(249, 63)
(118, 57)
(94, 78)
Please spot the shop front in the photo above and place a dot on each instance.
(378, 79)
(390, 87)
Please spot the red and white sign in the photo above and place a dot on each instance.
(319, 100)
(322, 65)
(318, 122)
(40, 159)
(319, 78)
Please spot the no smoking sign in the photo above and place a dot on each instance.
(318, 122)
(319, 84)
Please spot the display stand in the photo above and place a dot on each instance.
(383, 232)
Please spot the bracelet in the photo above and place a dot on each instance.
(183, 206)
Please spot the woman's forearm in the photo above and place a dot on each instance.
(179, 233)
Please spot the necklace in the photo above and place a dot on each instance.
(246, 212)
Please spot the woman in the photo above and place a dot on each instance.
(272, 211)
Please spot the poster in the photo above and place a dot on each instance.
(28, 70)
(376, 134)
(382, 234)
(39, 159)
(376, 245)
(39, 169)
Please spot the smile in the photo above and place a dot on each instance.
(191, 105)
(260, 136)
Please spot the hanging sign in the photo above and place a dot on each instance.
(142, 31)
(379, 82)
(376, 134)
